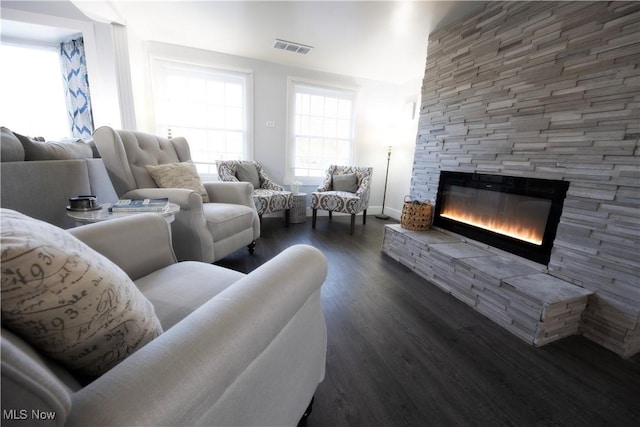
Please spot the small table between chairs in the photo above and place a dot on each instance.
(298, 213)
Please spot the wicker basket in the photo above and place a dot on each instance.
(416, 215)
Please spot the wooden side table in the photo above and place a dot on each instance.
(298, 213)
(89, 217)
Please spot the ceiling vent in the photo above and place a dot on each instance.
(291, 46)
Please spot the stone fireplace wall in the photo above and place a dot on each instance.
(550, 90)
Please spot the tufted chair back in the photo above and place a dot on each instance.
(127, 152)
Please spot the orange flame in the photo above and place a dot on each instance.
(511, 229)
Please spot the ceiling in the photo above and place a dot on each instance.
(379, 40)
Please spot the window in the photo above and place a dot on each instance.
(322, 128)
(208, 107)
(32, 88)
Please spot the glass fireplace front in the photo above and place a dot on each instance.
(519, 215)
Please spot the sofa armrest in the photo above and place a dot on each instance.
(239, 193)
(181, 375)
(139, 244)
(192, 240)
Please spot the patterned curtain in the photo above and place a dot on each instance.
(76, 80)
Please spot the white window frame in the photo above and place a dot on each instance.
(325, 89)
(159, 64)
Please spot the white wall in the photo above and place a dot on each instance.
(387, 118)
(380, 107)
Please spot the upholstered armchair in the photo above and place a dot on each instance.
(215, 218)
(237, 349)
(267, 195)
(345, 189)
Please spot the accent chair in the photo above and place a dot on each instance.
(267, 195)
(237, 349)
(345, 189)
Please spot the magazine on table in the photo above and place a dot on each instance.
(140, 205)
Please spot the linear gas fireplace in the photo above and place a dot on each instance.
(515, 214)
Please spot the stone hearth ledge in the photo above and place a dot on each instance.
(518, 294)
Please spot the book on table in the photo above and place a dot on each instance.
(140, 205)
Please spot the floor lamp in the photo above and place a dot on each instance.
(386, 178)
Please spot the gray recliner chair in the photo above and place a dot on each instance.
(201, 231)
(237, 349)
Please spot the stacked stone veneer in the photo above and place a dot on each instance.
(513, 292)
(550, 90)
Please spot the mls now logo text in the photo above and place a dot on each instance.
(23, 414)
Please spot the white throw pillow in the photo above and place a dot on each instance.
(69, 301)
(178, 175)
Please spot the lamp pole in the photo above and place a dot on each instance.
(384, 195)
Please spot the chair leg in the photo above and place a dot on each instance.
(252, 247)
(353, 222)
(314, 216)
(330, 214)
(260, 218)
(287, 217)
(307, 412)
(364, 217)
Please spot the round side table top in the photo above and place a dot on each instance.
(89, 217)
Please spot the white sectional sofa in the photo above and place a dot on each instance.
(237, 349)
(42, 188)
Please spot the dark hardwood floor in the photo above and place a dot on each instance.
(401, 352)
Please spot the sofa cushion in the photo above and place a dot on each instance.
(67, 300)
(195, 284)
(345, 182)
(247, 172)
(65, 149)
(178, 175)
(11, 149)
(227, 219)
